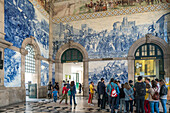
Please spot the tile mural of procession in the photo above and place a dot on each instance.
(74, 7)
(108, 40)
(108, 69)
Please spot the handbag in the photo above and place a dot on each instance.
(69, 92)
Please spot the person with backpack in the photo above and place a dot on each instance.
(129, 97)
(113, 91)
(163, 94)
(49, 90)
(140, 89)
(154, 97)
(73, 93)
(122, 99)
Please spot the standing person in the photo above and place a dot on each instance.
(118, 98)
(157, 81)
(73, 93)
(111, 87)
(122, 99)
(108, 93)
(55, 95)
(101, 92)
(129, 97)
(147, 81)
(163, 95)
(153, 102)
(91, 93)
(146, 103)
(68, 85)
(140, 89)
(64, 92)
(80, 87)
(49, 90)
(98, 96)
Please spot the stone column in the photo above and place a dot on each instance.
(86, 78)
(59, 74)
(50, 39)
(131, 65)
(38, 73)
(2, 34)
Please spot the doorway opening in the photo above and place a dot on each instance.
(149, 62)
(30, 76)
(74, 72)
(73, 68)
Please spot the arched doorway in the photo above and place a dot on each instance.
(146, 45)
(31, 50)
(72, 52)
(72, 60)
(149, 62)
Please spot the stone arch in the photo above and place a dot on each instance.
(59, 65)
(149, 39)
(31, 41)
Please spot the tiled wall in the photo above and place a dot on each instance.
(117, 69)
(44, 73)
(111, 36)
(23, 20)
(12, 68)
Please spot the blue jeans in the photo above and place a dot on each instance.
(113, 104)
(72, 95)
(163, 102)
(140, 104)
(117, 102)
(55, 98)
(152, 105)
(122, 104)
(131, 105)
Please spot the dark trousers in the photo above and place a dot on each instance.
(113, 105)
(103, 101)
(140, 104)
(127, 105)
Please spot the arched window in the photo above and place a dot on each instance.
(29, 59)
(72, 55)
(148, 50)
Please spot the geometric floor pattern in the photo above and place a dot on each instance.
(47, 105)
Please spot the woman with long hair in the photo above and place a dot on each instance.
(153, 92)
(163, 94)
(73, 92)
(128, 97)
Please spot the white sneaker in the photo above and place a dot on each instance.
(92, 104)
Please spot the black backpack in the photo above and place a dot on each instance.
(164, 90)
(141, 89)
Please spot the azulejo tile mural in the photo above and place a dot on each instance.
(44, 73)
(23, 20)
(111, 36)
(117, 69)
(12, 68)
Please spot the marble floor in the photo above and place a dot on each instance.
(47, 105)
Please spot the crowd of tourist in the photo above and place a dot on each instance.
(144, 95)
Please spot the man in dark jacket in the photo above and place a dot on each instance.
(101, 93)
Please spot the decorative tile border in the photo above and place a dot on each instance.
(116, 12)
